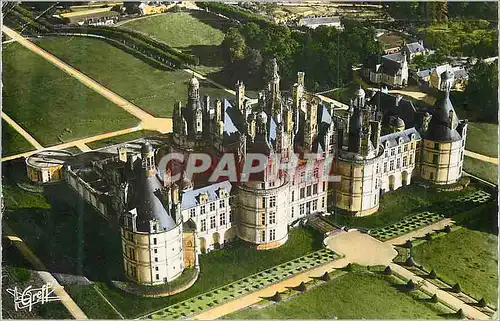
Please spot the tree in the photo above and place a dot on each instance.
(481, 91)
(233, 46)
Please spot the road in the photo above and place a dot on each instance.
(481, 157)
(41, 269)
(21, 131)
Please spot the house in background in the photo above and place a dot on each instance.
(415, 49)
(314, 22)
(446, 76)
(391, 70)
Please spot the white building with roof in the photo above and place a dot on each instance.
(315, 22)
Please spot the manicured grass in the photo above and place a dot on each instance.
(12, 142)
(51, 105)
(482, 138)
(350, 296)
(394, 206)
(467, 256)
(485, 170)
(154, 90)
(181, 29)
(92, 304)
(121, 138)
(236, 262)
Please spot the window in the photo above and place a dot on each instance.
(302, 209)
(263, 202)
(156, 251)
(293, 212)
(293, 196)
(398, 163)
(431, 176)
(324, 186)
(130, 237)
(157, 276)
(156, 259)
(412, 144)
(272, 235)
(272, 201)
(405, 161)
(309, 190)
(411, 158)
(222, 204)
(385, 167)
(436, 146)
(192, 212)
(272, 218)
(263, 236)
(406, 148)
(222, 218)
(212, 222)
(202, 210)
(263, 218)
(316, 173)
(302, 177)
(391, 165)
(399, 149)
(435, 159)
(393, 151)
(308, 208)
(386, 153)
(156, 268)
(323, 201)
(314, 205)
(230, 217)
(461, 155)
(376, 170)
(302, 192)
(154, 241)
(212, 206)
(315, 189)
(203, 225)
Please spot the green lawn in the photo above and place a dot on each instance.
(350, 296)
(482, 138)
(236, 262)
(181, 29)
(467, 256)
(51, 105)
(12, 142)
(91, 302)
(152, 89)
(485, 170)
(122, 138)
(394, 206)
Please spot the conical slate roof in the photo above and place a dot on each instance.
(440, 128)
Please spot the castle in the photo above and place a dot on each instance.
(379, 145)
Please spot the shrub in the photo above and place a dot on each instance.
(456, 288)
(447, 228)
(410, 285)
(432, 275)
(434, 298)
(482, 303)
(408, 244)
(460, 314)
(326, 277)
(276, 297)
(428, 236)
(349, 267)
(410, 262)
(388, 270)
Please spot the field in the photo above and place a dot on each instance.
(351, 296)
(12, 142)
(405, 201)
(467, 256)
(51, 105)
(482, 138)
(122, 138)
(485, 170)
(152, 89)
(182, 29)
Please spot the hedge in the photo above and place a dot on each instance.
(236, 13)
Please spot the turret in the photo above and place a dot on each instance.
(240, 96)
(148, 159)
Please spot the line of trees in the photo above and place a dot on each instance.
(326, 54)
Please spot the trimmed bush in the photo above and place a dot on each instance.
(410, 262)
(325, 277)
(276, 297)
(388, 270)
(432, 275)
(349, 267)
(482, 303)
(456, 288)
(408, 244)
(410, 285)
(447, 229)
(428, 236)
(434, 298)
(460, 314)
(301, 287)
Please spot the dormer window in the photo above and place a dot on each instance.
(222, 192)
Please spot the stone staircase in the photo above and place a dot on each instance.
(321, 225)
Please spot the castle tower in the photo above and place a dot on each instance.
(273, 95)
(148, 159)
(311, 125)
